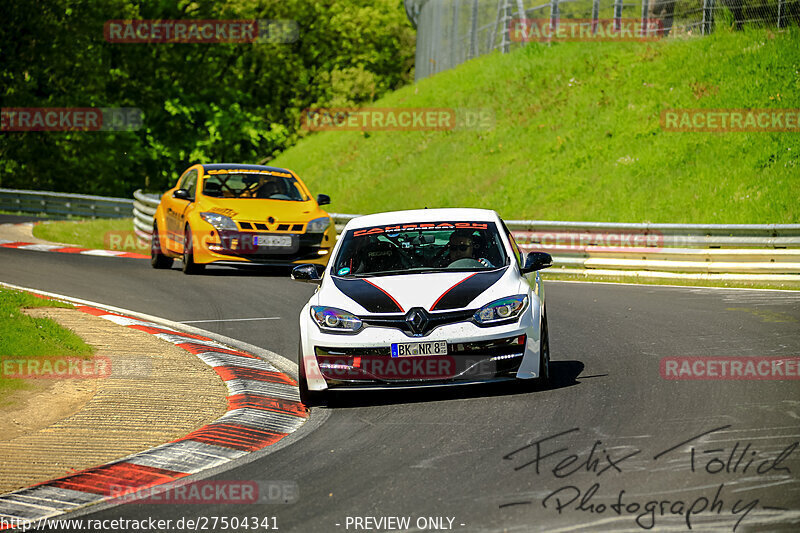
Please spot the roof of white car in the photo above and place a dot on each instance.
(424, 215)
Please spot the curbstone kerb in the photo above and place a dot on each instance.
(263, 408)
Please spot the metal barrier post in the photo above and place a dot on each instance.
(454, 48)
(520, 9)
(708, 17)
(617, 14)
(554, 15)
(645, 11)
(506, 39)
(473, 33)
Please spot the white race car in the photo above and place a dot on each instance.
(422, 298)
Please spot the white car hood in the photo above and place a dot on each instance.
(445, 291)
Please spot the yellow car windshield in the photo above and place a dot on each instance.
(252, 186)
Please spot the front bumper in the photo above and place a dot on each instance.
(469, 360)
(235, 249)
(474, 354)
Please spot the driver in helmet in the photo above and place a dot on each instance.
(464, 245)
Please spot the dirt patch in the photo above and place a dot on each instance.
(20, 233)
(22, 410)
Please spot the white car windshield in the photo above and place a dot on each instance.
(420, 247)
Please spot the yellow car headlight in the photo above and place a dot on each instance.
(318, 225)
(221, 222)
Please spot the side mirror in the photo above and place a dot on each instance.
(537, 261)
(323, 199)
(181, 194)
(307, 273)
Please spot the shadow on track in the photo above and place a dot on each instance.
(563, 374)
(250, 272)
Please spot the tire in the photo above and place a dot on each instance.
(189, 266)
(157, 257)
(307, 397)
(544, 355)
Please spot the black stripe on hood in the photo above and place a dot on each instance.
(463, 292)
(367, 295)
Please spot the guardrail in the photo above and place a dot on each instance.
(144, 209)
(64, 204)
(768, 252)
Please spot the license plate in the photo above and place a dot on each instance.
(273, 240)
(415, 349)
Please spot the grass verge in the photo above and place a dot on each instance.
(98, 234)
(565, 275)
(22, 336)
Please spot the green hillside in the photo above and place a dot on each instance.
(577, 136)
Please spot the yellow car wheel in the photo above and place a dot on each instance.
(157, 257)
(189, 266)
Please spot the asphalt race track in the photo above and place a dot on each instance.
(611, 446)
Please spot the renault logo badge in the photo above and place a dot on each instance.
(417, 320)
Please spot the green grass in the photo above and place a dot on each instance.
(99, 234)
(22, 336)
(566, 275)
(577, 136)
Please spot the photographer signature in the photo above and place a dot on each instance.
(562, 461)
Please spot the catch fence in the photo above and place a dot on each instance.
(450, 32)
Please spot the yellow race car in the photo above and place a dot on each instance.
(240, 215)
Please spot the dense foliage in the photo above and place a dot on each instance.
(201, 102)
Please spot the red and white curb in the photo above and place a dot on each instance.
(263, 408)
(60, 248)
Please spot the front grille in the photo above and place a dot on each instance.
(491, 348)
(435, 320)
(352, 351)
(282, 227)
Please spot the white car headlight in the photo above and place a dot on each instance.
(318, 225)
(221, 222)
(335, 320)
(501, 310)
